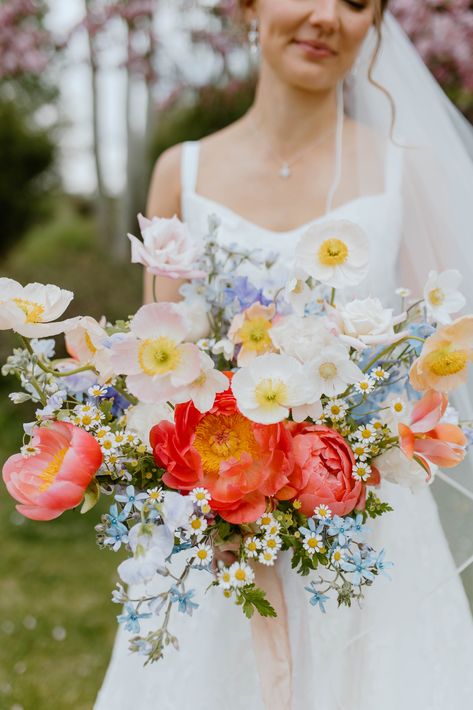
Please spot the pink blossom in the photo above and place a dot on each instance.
(55, 478)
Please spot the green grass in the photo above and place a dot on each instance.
(57, 621)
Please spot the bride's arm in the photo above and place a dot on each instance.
(164, 198)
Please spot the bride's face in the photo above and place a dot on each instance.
(312, 44)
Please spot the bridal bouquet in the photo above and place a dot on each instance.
(248, 418)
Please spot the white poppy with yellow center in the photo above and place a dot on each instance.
(336, 253)
(269, 386)
(442, 297)
(29, 310)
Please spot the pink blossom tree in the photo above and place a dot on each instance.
(25, 45)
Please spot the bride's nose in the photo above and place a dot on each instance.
(325, 14)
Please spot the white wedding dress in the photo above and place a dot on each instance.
(409, 648)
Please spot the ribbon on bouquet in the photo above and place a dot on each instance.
(271, 643)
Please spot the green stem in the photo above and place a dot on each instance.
(50, 371)
(332, 297)
(155, 290)
(391, 347)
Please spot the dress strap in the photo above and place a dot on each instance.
(189, 165)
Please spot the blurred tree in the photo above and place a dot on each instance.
(26, 177)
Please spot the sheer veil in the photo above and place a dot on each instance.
(435, 145)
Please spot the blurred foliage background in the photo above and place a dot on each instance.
(57, 622)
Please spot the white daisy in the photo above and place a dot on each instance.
(197, 526)
(403, 292)
(273, 529)
(101, 432)
(337, 556)
(266, 520)
(200, 496)
(335, 410)
(97, 391)
(313, 543)
(366, 433)
(268, 557)
(225, 579)
(365, 386)
(155, 495)
(107, 443)
(29, 450)
(323, 512)
(379, 374)
(203, 554)
(361, 471)
(252, 546)
(398, 408)
(360, 450)
(241, 574)
(272, 543)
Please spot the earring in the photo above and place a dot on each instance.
(253, 36)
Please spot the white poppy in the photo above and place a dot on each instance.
(203, 389)
(330, 372)
(335, 253)
(29, 310)
(298, 293)
(442, 297)
(269, 386)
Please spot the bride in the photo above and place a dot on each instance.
(347, 124)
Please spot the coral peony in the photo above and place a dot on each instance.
(323, 471)
(54, 478)
(238, 461)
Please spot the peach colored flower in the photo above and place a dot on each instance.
(85, 343)
(443, 362)
(55, 478)
(322, 473)
(426, 440)
(250, 329)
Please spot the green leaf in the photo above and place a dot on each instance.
(91, 497)
(375, 507)
(253, 598)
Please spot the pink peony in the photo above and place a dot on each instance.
(53, 479)
(323, 471)
(168, 248)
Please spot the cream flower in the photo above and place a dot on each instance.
(154, 358)
(298, 293)
(168, 248)
(335, 253)
(141, 418)
(442, 297)
(29, 310)
(195, 312)
(364, 322)
(269, 386)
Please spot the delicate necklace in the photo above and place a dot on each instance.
(286, 165)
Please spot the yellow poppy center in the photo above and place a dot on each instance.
(271, 393)
(254, 334)
(48, 475)
(33, 311)
(219, 438)
(333, 252)
(436, 296)
(158, 356)
(446, 362)
(327, 370)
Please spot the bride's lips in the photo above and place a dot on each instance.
(319, 50)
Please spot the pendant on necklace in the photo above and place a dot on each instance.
(285, 171)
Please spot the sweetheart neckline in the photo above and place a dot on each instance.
(306, 225)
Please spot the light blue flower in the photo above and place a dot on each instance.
(117, 535)
(131, 619)
(359, 528)
(381, 565)
(342, 528)
(184, 600)
(132, 499)
(358, 567)
(114, 518)
(315, 526)
(317, 598)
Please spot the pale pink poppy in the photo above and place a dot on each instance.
(154, 357)
(55, 478)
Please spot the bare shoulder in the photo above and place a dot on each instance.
(165, 186)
